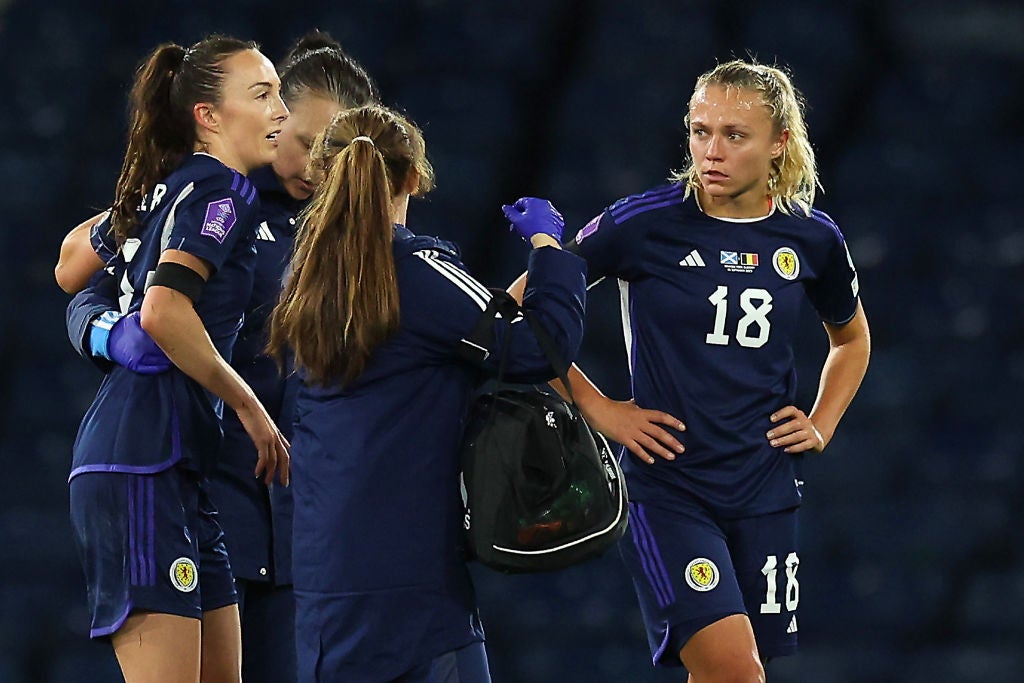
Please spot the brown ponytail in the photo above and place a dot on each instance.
(341, 301)
(161, 131)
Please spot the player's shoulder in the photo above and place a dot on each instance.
(207, 177)
(635, 212)
(646, 203)
(825, 221)
(813, 222)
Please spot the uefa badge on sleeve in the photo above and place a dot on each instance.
(220, 218)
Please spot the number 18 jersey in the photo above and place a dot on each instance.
(710, 311)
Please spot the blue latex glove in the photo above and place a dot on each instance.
(531, 216)
(120, 338)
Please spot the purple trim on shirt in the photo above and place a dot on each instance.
(649, 207)
(126, 469)
(645, 198)
(236, 180)
(654, 567)
(823, 217)
(251, 197)
(107, 630)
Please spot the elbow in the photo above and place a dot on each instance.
(153, 319)
(67, 280)
(570, 346)
(571, 339)
(862, 344)
(62, 281)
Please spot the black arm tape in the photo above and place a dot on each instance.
(178, 277)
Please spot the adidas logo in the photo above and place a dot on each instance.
(792, 625)
(692, 260)
(264, 233)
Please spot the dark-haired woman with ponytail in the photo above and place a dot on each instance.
(179, 241)
(373, 315)
(318, 79)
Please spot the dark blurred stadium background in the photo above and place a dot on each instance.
(913, 556)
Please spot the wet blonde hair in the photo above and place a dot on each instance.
(793, 178)
(341, 300)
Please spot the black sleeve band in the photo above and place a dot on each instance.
(178, 277)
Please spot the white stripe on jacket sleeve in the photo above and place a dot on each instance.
(458, 277)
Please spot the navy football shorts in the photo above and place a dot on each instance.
(691, 570)
(148, 542)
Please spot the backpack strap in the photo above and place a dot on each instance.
(547, 345)
(476, 347)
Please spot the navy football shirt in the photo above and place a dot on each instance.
(710, 309)
(256, 522)
(144, 424)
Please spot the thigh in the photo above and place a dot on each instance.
(723, 651)
(764, 551)
(221, 646)
(154, 648)
(465, 665)
(683, 574)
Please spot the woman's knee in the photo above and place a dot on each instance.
(724, 652)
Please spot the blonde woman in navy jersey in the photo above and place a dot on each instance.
(318, 79)
(180, 246)
(713, 270)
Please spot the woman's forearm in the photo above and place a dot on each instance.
(842, 373)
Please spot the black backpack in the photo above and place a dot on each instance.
(541, 490)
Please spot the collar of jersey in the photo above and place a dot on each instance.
(755, 219)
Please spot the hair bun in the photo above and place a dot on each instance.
(312, 41)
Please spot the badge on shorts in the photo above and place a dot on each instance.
(220, 218)
(184, 576)
(701, 574)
